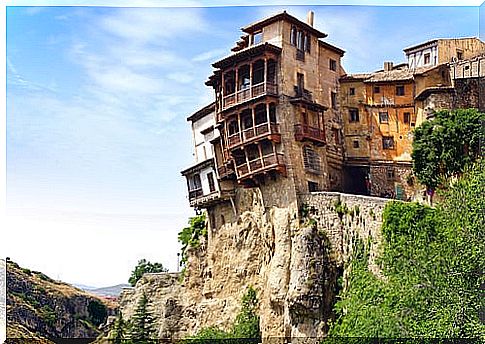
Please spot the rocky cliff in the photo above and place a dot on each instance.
(40, 308)
(293, 251)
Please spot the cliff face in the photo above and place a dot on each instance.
(39, 307)
(292, 251)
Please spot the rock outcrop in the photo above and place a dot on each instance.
(41, 308)
(292, 251)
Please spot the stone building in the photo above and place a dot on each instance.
(379, 115)
(277, 106)
(438, 51)
(381, 109)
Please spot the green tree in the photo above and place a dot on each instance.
(142, 323)
(443, 146)
(190, 236)
(118, 333)
(142, 267)
(247, 321)
(97, 312)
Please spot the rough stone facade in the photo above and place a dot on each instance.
(267, 243)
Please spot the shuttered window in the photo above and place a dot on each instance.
(311, 160)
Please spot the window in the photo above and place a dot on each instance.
(459, 55)
(407, 117)
(333, 99)
(210, 179)
(377, 89)
(352, 91)
(195, 183)
(353, 115)
(308, 45)
(383, 117)
(427, 58)
(233, 127)
(388, 142)
(399, 90)
(257, 37)
(333, 65)
(312, 186)
(355, 144)
(311, 160)
(300, 83)
(293, 36)
(390, 174)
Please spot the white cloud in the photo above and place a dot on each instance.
(209, 55)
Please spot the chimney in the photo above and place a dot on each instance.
(309, 18)
(388, 66)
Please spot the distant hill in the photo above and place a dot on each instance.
(113, 291)
(39, 307)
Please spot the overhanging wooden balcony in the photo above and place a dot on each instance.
(273, 161)
(248, 93)
(305, 132)
(270, 130)
(225, 171)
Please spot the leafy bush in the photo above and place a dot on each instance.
(245, 329)
(143, 267)
(190, 236)
(433, 261)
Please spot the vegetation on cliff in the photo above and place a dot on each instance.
(443, 146)
(39, 307)
(190, 236)
(142, 267)
(246, 324)
(433, 261)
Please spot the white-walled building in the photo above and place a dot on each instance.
(202, 179)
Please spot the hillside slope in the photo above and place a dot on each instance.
(39, 307)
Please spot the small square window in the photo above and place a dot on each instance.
(388, 142)
(390, 174)
(399, 90)
(352, 91)
(312, 186)
(427, 58)
(353, 115)
(407, 117)
(257, 37)
(333, 65)
(377, 89)
(355, 144)
(383, 117)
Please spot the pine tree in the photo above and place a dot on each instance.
(142, 323)
(118, 333)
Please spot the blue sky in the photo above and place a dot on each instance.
(96, 133)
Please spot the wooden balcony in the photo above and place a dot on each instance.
(193, 194)
(305, 132)
(250, 92)
(225, 171)
(255, 133)
(261, 164)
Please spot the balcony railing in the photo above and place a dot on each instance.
(193, 194)
(252, 133)
(304, 131)
(248, 93)
(225, 171)
(260, 164)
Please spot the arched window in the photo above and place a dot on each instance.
(311, 160)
